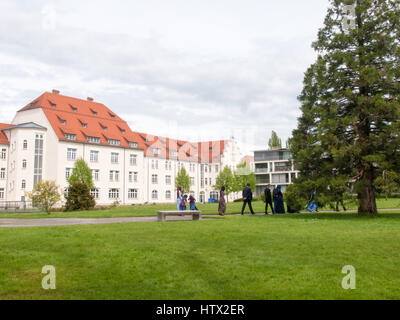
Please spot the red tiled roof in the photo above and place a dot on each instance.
(3, 137)
(82, 118)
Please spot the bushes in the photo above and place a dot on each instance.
(79, 197)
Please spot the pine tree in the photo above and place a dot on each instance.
(349, 127)
(275, 142)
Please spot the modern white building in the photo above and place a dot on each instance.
(48, 135)
(273, 167)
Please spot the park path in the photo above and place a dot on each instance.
(53, 222)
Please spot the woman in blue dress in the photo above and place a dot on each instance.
(279, 206)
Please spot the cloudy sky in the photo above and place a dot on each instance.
(189, 69)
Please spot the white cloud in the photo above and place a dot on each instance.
(188, 69)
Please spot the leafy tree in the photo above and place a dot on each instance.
(275, 142)
(388, 183)
(79, 197)
(81, 173)
(242, 176)
(45, 195)
(225, 179)
(350, 125)
(183, 180)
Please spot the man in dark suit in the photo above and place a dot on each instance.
(268, 200)
(247, 197)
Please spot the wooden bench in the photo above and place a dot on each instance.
(163, 214)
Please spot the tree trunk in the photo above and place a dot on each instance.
(367, 197)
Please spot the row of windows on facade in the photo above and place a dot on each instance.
(97, 140)
(114, 194)
(12, 186)
(94, 156)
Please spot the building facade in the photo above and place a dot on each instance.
(48, 135)
(273, 167)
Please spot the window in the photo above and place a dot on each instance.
(114, 176)
(113, 194)
(174, 154)
(68, 173)
(154, 195)
(93, 140)
(156, 164)
(133, 159)
(95, 193)
(205, 168)
(94, 156)
(94, 112)
(2, 173)
(1, 193)
(133, 176)
(70, 136)
(71, 154)
(114, 142)
(168, 195)
(132, 194)
(206, 181)
(154, 179)
(3, 154)
(114, 157)
(111, 115)
(38, 159)
(96, 174)
(166, 165)
(73, 108)
(156, 151)
(216, 168)
(192, 181)
(25, 144)
(23, 184)
(167, 179)
(24, 163)
(133, 145)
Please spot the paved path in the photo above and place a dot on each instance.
(51, 222)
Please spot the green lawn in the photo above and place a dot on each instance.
(151, 210)
(250, 257)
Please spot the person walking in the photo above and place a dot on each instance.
(279, 205)
(222, 203)
(339, 197)
(312, 204)
(247, 198)
(178, 198)
(192, 202)
(268, 200)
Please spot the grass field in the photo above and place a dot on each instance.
(151, 210)
(250, 257)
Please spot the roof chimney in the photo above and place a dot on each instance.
(56, 91)
(90, 99)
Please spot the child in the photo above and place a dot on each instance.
(192, 201)
(183, 203)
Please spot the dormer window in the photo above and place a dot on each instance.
(174, 154)
(123, 131)
(133, 145)
(114, 142)
(53, 105)
(93, 140)
(112, 115)
(62, 121)
(69, 136)
(83, 124)
(94, 112)
(156, 151)
(103, 127)
(73, 108)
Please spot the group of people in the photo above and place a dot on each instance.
(182, 200)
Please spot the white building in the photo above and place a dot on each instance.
(50, 133)
(273, 167)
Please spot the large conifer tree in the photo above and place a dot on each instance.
(349, 127)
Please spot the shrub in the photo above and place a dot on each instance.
(45, 195)
(79, 197)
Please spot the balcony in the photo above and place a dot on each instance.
(262, 170)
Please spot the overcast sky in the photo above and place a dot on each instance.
(189, 69)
